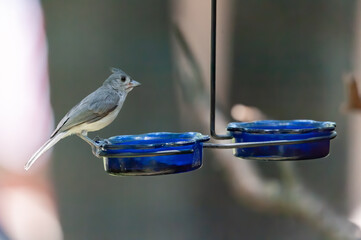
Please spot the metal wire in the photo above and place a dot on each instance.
(267, 143)
(144, 154)
(213, 73)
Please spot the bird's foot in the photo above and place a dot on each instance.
(100, 140)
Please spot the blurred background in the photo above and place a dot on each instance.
(286, 58)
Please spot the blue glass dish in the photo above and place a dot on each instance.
(273, 130)
(152, 153)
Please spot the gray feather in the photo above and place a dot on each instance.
(92, 108)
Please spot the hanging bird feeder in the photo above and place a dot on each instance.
(167, 153)
(316, 137)
(152, 153)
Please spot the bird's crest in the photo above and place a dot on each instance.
(117, 70)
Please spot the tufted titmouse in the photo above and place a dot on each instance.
(94, 112)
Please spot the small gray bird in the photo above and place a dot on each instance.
(94, 112)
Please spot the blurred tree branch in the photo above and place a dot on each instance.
(286, 195)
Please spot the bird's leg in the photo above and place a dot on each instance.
(84, 135)
(94, 145)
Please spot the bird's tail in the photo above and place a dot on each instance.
(51, 142)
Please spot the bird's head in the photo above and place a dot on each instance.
(120, 81)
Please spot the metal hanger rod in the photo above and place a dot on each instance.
(213, 72)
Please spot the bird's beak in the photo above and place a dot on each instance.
(134, 83)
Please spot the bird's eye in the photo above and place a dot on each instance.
(123, 78)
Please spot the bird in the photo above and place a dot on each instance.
(94, 112)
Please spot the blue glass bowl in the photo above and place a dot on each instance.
(273, 130)
(152, 153)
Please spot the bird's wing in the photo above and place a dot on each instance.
(91, 109)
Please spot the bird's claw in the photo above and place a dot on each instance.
(101, 141)
(98, 139)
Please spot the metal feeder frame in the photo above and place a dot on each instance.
(98, 144)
